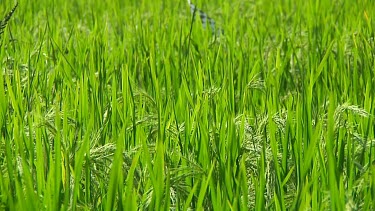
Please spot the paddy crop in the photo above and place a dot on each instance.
(136, 105)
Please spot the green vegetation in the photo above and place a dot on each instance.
(129, 105)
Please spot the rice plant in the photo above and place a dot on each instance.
(197, 105)
(5, 20)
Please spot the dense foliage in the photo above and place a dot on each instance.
(132, 105)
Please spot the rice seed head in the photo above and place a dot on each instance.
(205, 19)
(6, 19)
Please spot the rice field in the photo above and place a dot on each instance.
(179, 105)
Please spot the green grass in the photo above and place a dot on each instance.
(128, 105)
